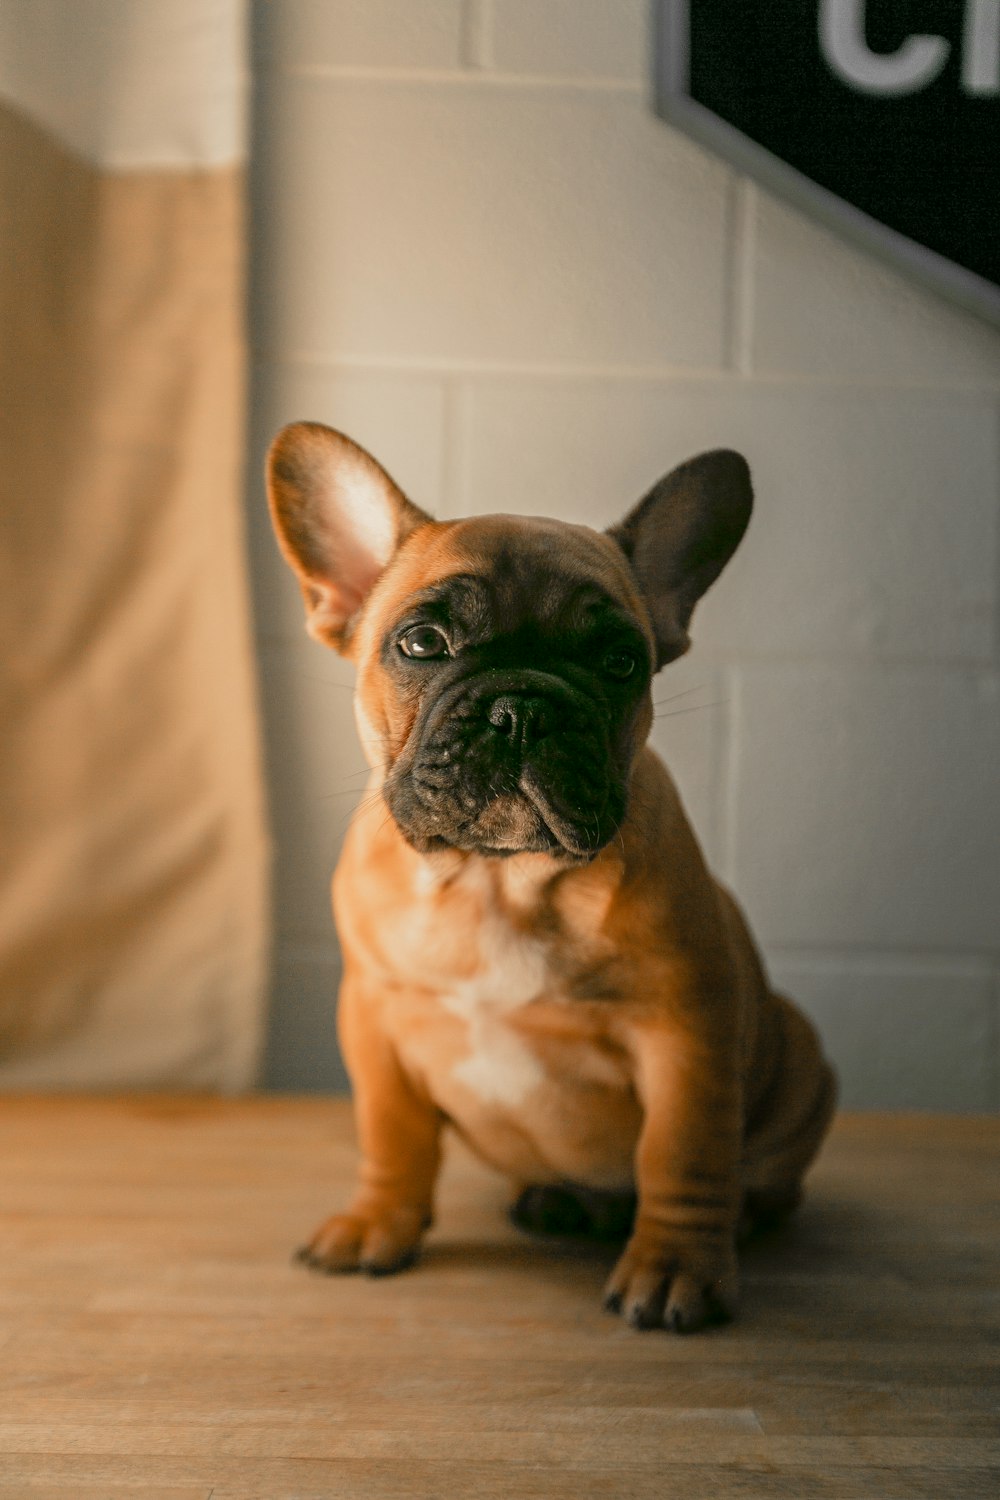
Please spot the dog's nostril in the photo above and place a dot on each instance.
(503, 717)
(525, 719)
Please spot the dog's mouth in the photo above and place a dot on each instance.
(523, 818)
(509, 824)
(529, 821)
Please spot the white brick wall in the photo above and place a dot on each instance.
(478, 252)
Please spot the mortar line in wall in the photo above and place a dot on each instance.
(743, 252)
(269, 637)
(718, 758)
(469, 76)
(994, 1025)
(476, 35)
(971, 965)
(433, 367)
(728, 765)
(996, 419)
(452, 451)
(746, 658)
(972, 962)
(732, 235)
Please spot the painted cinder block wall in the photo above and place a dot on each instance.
(477, 251)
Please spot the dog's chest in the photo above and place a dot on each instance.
(493, 1019)
(513, 971)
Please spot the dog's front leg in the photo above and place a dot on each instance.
(399, 1130)
(678, 1270)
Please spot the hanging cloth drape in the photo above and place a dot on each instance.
(132, 845)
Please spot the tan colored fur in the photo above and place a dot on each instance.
(605, 1024)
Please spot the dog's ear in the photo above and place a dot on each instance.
(339, 520)
(680, 536)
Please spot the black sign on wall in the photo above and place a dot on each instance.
(881, 116)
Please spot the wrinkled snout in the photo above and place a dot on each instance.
(506, 763)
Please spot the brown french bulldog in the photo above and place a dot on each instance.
(534, 951)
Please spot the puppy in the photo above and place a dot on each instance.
(534, 951)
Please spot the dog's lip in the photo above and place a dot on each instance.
(510, 823)
(561, 828)
(548, 822)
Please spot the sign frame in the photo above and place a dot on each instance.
(673, 103)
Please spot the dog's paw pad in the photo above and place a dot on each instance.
(376, 1245)
(663, 1293)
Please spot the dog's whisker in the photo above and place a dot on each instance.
(363, 808)
(684, 693)
(344, 791)
(675, 713)
(364, 805)
(360, 776)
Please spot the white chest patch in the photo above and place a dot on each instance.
(500, 1068)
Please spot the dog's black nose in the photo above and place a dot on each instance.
(522, 720)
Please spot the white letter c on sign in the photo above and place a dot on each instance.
(842, 41)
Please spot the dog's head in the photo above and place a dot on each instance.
(504, 662)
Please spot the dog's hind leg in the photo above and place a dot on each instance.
(570, 1209)
(787, 1120)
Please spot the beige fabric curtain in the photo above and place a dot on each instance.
(132, 845)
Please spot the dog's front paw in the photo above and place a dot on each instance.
(682, 1286)
(378, 1242)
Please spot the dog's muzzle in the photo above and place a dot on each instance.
(506, 763)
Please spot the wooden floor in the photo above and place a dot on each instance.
(156, 1340)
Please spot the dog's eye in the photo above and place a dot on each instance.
(620, 664)
(423, 642)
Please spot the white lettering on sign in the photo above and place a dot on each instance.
(842, 38)
(919, 60)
